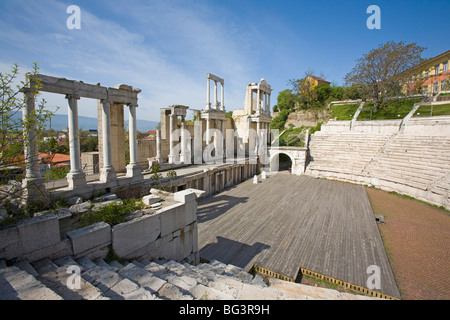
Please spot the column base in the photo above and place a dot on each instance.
(76, 180)
(108, 175)
(134, 171)
(34, 191)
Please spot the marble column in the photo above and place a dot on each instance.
(158, 146)
(258, 135)
(258, 101)
(171, 128)
(216, 140)
(107, 173)
(216, 107)
(183, 141)
(33, 184)
(76, 176)
(208, 95)
(208, 139)
(134, 170)
(222, 104)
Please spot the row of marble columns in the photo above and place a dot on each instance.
(262, 101)
(76, 177)
(208, 95)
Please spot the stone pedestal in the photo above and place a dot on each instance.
(76, 180)
(135, 171)
(108, 175)
(34, 191)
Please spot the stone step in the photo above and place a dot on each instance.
(44, 266)
(114, 286)
(26, 266)
(66, 262)
(17, 284)
(70, 286)
(86, 263)
(147, 280)
(101, 263)
(142, 277)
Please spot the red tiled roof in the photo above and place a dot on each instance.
(437, 78)
(320, 79)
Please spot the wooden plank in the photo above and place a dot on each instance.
(287, 222)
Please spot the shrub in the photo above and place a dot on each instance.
(171, 174)
(113, 213)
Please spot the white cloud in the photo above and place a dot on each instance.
(163, 49)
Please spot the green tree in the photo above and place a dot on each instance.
(279, 121)
(285, 101)
(12, 126)
(383, 71)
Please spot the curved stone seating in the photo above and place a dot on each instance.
(415, 165)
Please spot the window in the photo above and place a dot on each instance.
(445, 85)
(427, 73)
(435, 87)
(445, 65)
(425, 90)
(436, 68)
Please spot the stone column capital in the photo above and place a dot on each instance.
(73, 96)
(29, 91)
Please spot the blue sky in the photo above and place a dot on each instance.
(166, 48)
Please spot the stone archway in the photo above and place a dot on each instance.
(281, 161)
(296, 155)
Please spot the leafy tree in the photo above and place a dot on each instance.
(280, 120)
(285, 101)
(383, 71)
(12, 127)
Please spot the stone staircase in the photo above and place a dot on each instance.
(84, 279)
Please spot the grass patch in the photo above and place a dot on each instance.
(286, 139)
(397, 109)
(438, 110)
(344, 112)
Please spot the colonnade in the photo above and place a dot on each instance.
(74, 91)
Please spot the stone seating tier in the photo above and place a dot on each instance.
(148, 280)
(410, 164)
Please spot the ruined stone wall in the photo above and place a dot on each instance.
(170, 233)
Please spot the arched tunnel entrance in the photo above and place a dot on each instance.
(281, 162)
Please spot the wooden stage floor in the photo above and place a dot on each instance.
(287, 222)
